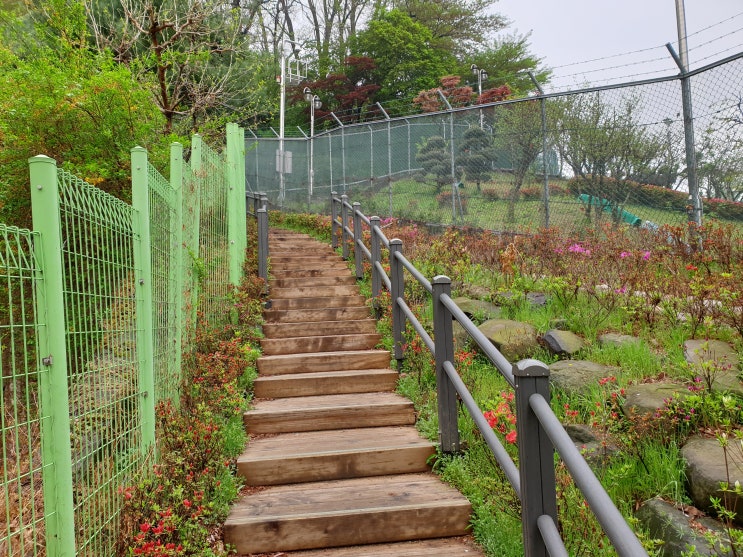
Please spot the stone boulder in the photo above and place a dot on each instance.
(478, 308)
(706, 470)
(596, 451)
(647, 398)
(514, 339)
(563, 343)
(577, 376)
(617, 339)
(679, 530)
(723, 356)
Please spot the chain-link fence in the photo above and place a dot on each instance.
(598, 155)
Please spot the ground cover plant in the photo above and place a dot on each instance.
(177, 506)
(663, 288)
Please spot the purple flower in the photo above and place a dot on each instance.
(625, 254)
(621, 290)
(645, 255)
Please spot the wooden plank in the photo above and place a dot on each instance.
(461, 546)
(330, 343)
(332, 455)
(318, 302)
(314, 291)
(298, 282)
(323, 361)
(336, 270)
(319, 328)
(326, 314)
(347, 512)
(318, 413)
(330, 382)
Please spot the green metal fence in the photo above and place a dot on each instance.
(97, 307)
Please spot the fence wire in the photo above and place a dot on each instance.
(22, 509)
(567, 160)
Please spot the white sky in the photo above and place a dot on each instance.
(567, 34)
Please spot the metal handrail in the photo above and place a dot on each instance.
(260, 212)
(539, 431)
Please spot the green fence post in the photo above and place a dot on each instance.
(176, 238)
(143, 277)
(242, 214)
(56, 450)
(233, 203)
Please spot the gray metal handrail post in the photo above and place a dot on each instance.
(536, 456)
(262, 216)
(397, 290)
(447, 394)
(376, 253)
(264, 200)
(334, 220)
(358, 238)
(344, 224)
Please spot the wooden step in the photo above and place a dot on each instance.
(302, 259)
(299, 282)
(328, 343)
(333, 455)
(318, 302)
(346, 512)
(445, 547)
(323, 361)
(319, 328)
(314, 291)
(328, 314)
(335, 270)
(318, 413)
(328, 383)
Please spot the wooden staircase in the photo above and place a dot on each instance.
(335, 462)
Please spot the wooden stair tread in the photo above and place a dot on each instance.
(323, 361)
(442, 547)
(318, 302)
(333, 442)
(319, 328)
(326, 382)
(347, 512)
(324, 343)
(298, 404)
(302, 315)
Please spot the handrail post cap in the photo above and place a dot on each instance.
(395, 242)
(375, 217)
(356, 204)
(530, 368)
(441, 279)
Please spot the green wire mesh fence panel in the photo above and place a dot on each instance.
(191, 263)
(100, 291)
(613, 156)
(163, 243)
(213, 238)
(22, 529)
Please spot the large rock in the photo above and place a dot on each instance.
(724, 359)
(514, 339)
(678, 530)
(578, 376)
(563, 342)
(617, 339)
(478, 309)
(647, 398)
(597, 451)
(706, 469)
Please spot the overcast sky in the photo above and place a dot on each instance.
(568, 34)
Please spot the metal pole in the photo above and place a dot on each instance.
(333, 220)
(344, 221)
(312, 151)
(358, 238)
(389, 154)
(371, 155)
(453, 170)
(447, 394)
(282, 110)
(376, 252)
(56, 451)
(343, 147)
(262, 216)
(543, 103)
(536, 456)
(691, 155)
(176, 243)
(397, 290)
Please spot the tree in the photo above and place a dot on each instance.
(475, 155)
(457, 26)
(604, 145)
(518, 133)
(406, 62)
(434, 156)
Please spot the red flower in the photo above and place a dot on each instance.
(187, 503)
(144, 527)
(511, 437)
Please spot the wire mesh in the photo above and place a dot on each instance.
(22, 513)
(97, 253)
(613, 155)
(164, 241)
(213, 238)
